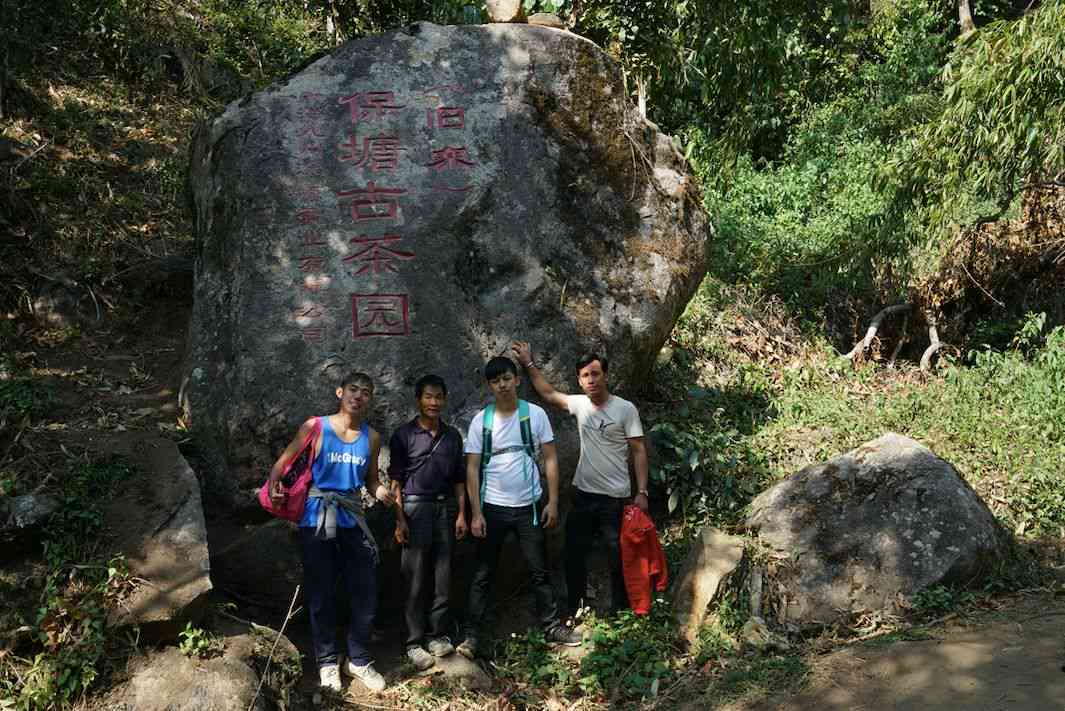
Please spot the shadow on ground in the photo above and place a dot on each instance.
(1008, 661)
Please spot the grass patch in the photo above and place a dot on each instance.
(631, 658)
(75, 586)
(913, 634)
(758, 677)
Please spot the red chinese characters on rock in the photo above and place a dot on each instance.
(445, 117)
(377, 153)
(312, 264)
(371, 105)
(450, 158)
(376, 254)
(373, 202)
(380, 315)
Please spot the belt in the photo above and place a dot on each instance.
(425, 498)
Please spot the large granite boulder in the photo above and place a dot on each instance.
(881, 522)
(409, 204)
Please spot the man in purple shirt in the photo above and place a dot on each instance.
(429, 479)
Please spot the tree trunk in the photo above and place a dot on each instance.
(965, 17)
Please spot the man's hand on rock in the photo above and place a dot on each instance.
(523, 352)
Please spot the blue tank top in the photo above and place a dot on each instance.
(339, 466)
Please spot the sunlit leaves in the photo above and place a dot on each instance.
(1002, 123)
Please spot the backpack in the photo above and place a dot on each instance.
(525, 424)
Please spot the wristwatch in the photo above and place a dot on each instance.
(642, 491)
(530, 364)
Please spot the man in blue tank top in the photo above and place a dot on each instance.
(334, 538)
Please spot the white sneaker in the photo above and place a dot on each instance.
(369, 676)
(329, 677)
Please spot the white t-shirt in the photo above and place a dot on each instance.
(604, 464)
(513, 478)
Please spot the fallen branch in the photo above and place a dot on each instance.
(30, 156)
(934, 345)
(874, 325)
(979, 285)
(270, 658)
(907, 628)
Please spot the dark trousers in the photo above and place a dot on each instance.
(499, 521)
(349, 557)
(592, 515)
(426, 566)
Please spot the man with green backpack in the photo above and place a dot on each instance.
(503, 484)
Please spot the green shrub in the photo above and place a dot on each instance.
(78, 589)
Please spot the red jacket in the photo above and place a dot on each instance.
(642, 562)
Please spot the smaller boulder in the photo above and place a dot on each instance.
(457, 668)
(713, 557)
(505, 11)
(546, 19)
(863, 530)
(170, 681)
(26, 511)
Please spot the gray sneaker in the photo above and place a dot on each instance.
(468, 648)
(440, 647)
(560, 634)
(421, 659)
(369, 676)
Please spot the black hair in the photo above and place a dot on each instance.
(356, 377)
(498, 366)
(587, 358)
(430, 380)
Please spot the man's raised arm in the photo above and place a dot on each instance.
(523, 352)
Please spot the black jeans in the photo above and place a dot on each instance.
(592, 514)
(500, 520)
(432, 534)
(349, 556)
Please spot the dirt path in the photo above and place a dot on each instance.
(1010, 661)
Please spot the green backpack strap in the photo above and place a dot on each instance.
(486, 444)
(525, 423)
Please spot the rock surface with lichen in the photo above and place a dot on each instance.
(409, 204)
(868, 529)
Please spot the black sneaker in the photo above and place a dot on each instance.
(560, 634)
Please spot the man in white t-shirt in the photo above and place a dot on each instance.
(611, 433)
(504, 496)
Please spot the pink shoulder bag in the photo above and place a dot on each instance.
(295, 481)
